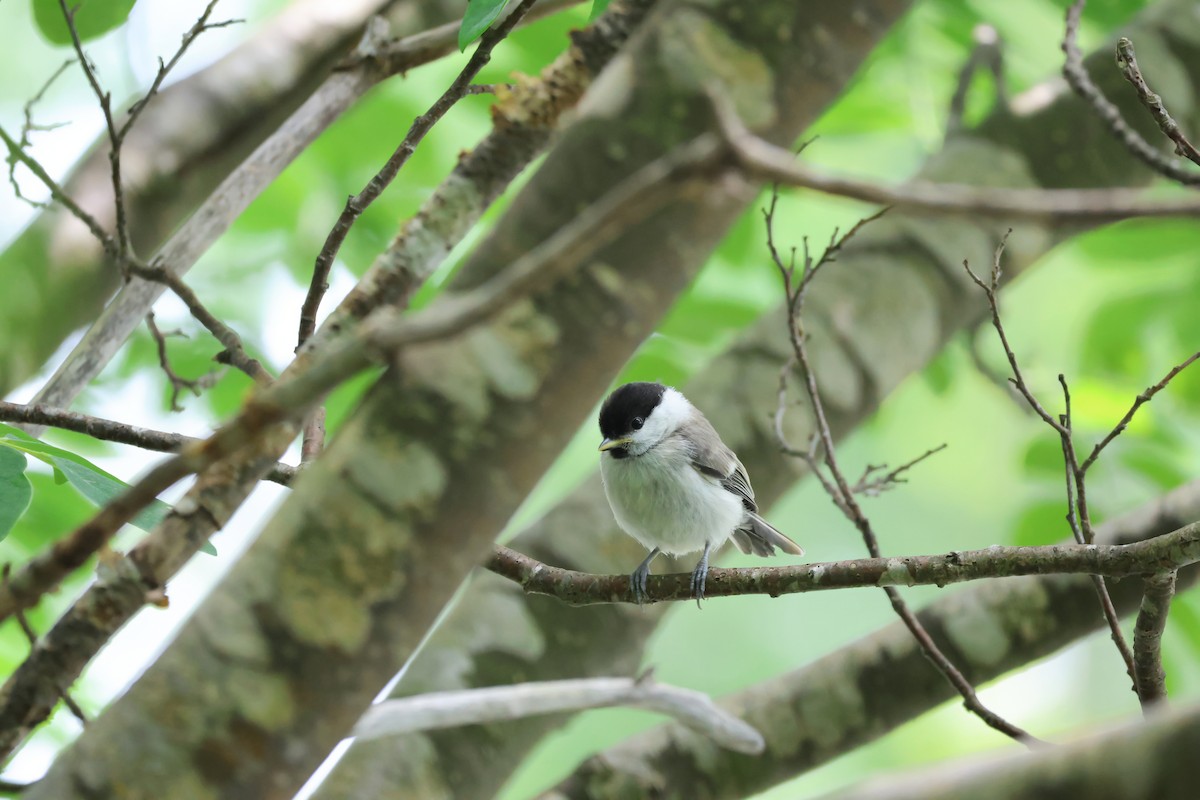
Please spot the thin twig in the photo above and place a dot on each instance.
(358, 203)
(1079, 80)
(873, 487)
(1078, 514)
(235, 352)
(104, 98)
(1138, 402)
(1147, 639)
(178, 383)
(1127, 63)
(27, 129)
(436, 710)
(112, 431)
(16, 151)
(200, 26)
(844, 496)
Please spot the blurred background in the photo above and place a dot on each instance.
(1113, 310)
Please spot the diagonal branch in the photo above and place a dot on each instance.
(1079, 80)
(498, 703)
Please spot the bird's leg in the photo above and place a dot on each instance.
(699, 574)
(637, 579)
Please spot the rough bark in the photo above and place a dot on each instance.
(897, 295)
(334, 596)
(525, 123)
(1153, 760)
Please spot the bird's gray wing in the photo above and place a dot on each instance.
(711, 457)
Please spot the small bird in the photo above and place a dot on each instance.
(674, 485)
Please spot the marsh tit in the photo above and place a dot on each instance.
(673, 484)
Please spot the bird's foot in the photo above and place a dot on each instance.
(637, 582)
(699, 576)
(637, 579)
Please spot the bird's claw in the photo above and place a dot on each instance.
(637, 583)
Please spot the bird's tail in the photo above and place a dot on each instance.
(758, 537)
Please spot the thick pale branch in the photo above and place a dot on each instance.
(1175, 549)
(497, 703)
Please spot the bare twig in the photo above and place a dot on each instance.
(1127, 63)
(235, 352)
(421, 125)
(111, 431)
(178, 383)
(501, 703)
(1147, 639)
(843, 497)
(1079, 80)
(1138, 402)
(1161, 553)
(873, 487)
(1078, 513)
(16, 151)
(27, 129)
(200, 26)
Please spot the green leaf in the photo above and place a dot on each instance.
(479, 17)
(15, 489)
(88, 479)
(598, 7)
(92, 18)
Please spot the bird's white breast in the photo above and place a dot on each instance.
(661, 500)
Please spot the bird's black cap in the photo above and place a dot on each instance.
(626, 403)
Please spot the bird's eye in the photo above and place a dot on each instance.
(637, 423)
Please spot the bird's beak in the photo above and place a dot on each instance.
(609, 444)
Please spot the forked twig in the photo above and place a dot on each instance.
(839, 488)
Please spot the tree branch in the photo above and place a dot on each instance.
(1176, 549)
(767, 162)
(501, 703)
(112, 431)
(1151, 680)
(1079, 80)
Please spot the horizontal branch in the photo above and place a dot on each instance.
(768, 162)
(1176, 549)
(112, 431)
(497, 703)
